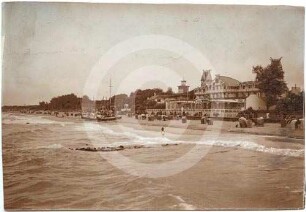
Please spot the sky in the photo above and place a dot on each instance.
(52, 49)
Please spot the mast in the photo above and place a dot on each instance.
(94, 104)
(110, 93)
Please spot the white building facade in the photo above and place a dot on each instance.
(222, 97)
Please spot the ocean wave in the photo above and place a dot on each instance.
(127, 134)
(9, 119)
(28, 131)
(51, 146)
(229, 143)
(182, 204)
(24, 119)
(248, 145)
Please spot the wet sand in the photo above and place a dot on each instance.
(270, 129)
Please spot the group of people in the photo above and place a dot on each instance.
(288, 119)
(249, 122)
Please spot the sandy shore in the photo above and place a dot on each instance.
(270, 129)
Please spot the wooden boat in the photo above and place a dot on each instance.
(108, 118)
(89, 116)
(107, 115)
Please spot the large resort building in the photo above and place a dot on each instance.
(221, 97)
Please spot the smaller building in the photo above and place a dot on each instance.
(255, 102)
(296, 90)
(183, 87)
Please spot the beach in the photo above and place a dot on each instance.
(230, 168)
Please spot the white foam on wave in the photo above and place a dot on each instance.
(182, 203)
(51, 146)
(24, 119)
(134, 138)
(29, 119)
(249, 145)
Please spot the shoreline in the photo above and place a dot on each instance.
(269, 129)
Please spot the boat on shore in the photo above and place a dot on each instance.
(89, 116)
(107, 116)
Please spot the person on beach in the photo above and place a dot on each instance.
(163, 131)
(297, 124)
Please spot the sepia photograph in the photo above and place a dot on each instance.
(129, 106)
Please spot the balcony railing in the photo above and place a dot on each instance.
(227, 91)
(222, 113)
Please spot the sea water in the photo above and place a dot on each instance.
(41, 171)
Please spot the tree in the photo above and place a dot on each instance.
(150, 104)
(43, 105)
(65, 102)
(169, 91)
(270, 81)
(119, 100)
(291, 104)
(137, 99)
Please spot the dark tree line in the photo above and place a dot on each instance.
(291, 104)
(65, 102)
(137, 101)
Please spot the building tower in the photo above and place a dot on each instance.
(183, 88)
(206, 77)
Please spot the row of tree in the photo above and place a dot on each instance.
(137, 101)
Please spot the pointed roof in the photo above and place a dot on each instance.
(206, 75)
(203, 76)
